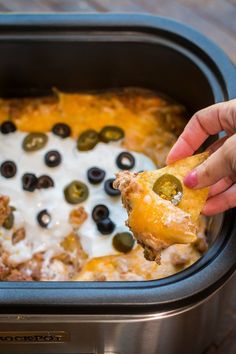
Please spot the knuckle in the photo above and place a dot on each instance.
(198, 117)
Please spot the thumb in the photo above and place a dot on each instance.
(220, 164)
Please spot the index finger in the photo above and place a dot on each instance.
(206, 122)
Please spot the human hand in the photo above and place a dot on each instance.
(219, 170)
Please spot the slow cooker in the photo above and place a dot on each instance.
(174, 315)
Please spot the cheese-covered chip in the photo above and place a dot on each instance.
(161, 210)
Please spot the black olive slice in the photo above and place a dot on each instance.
(125, 160)
(44, 218)
(52, 158)
(62, 130)
(100, 212)
(8, 127)
(95, 175)
(29, 182)
(8, 169)
(109, 189)
(45, 181)
(105, 226)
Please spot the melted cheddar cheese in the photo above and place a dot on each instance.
(151, 123)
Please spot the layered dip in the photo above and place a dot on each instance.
(60, 217)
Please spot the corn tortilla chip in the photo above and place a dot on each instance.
(156, 222)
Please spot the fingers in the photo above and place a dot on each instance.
(220, 164)
(209, 121)
(221, 185)
(184, 147)
(221, 202)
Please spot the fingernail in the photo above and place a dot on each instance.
(191, 179)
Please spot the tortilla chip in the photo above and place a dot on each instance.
(156, 222)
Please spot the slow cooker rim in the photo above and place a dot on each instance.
(127, 295)
(145, 23)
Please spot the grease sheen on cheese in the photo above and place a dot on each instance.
(74, 166)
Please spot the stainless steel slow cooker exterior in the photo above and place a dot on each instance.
(175, 315)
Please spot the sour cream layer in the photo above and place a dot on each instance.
(74, 166)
